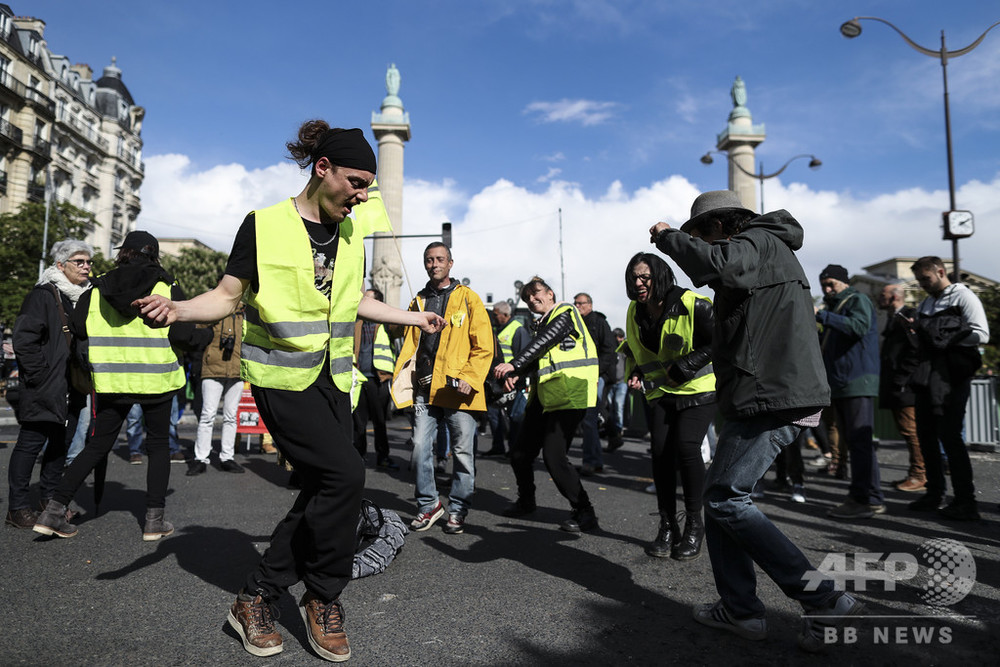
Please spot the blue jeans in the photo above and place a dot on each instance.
(591, 440)
(616, 412)
(80, 435)
(135, 430)
(462, 430)
(738, 534)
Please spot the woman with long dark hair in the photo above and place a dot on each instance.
(669, 339)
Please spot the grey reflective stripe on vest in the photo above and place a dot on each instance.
(341, 329)
(382, 357)
(705, 370)
(340, 365)
(282, 358)
(562, 365)
(286, 329)
(133, 367)
(582, 328)
(127, 341)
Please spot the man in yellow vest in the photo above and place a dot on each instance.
(505, 419)
(446, 387)
(375, 360)
(297, 353)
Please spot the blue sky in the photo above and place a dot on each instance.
(600, 108)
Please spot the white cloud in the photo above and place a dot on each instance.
(585, 112)
(550, 175)
(507, 232)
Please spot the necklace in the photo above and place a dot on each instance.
(314, 241)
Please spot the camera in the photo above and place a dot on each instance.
(226, 344)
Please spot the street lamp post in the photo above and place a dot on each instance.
(814, 163)
(851, 29)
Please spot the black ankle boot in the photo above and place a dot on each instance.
(667, 538)
(690, 543)
(581, 519)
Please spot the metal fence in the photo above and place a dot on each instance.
(982, 419)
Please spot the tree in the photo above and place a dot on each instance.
(21, 247)
(196, 270)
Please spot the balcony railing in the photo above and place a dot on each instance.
(8, 82)
(42, 147)
(13, 133)
(87, 132)
(36, 193)
(41, 101)
(3, 182)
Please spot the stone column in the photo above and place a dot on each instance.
(738, 141)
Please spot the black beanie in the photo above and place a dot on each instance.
(835, 271)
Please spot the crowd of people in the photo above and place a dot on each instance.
(323, 358)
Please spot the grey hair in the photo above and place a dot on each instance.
(63, 250)
(501, 307)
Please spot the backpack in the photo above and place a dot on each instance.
(381, 534)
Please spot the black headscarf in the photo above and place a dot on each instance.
(345, 148)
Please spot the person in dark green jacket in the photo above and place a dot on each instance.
(850, 352)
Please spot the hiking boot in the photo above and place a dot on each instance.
(689, 546)
(717, 616)
(580, 520)
(960, 511)
(455, 525)
(667, 538)
(253, 620)
(156, 527)
(812, 639)
(912, 484)
(425, 520)
(53, 521)
(851, 509)
(231, 466)
(521, 507)
(325, 622)
(70, 512)
(22, 518)
(928, 502)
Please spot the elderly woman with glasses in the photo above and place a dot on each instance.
(49, 406)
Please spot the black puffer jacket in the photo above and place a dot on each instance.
(765, 350)
(42, 354)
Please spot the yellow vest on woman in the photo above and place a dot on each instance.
(128, 357)
(290, 326)
(567, 373)
(676, 340)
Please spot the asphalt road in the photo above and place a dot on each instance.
(506, 592)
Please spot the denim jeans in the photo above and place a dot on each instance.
(616, 408)
(462, 430)
(135, 430)
(591, 440)
(739, 535)
(213, 390)
(80, 435)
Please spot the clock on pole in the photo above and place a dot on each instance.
(958, 224)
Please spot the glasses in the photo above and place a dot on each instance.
(643, 278)
(581, 303)
(81, 262)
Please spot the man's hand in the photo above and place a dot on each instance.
(432, 322)
(464, 388)
(655, 230)
(156, 311)
(634, 383)
(510, 382)
(502, 369)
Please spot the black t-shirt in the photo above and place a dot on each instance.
(323, 238)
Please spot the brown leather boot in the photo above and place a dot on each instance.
(253, 620)
(325, 622)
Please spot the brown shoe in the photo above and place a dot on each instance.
(253, 620)
(326, 628)
(21, 518)
(911, 484)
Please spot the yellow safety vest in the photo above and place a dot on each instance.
(128, 357)
(290, 326)
(382, 357)
(676, 340)
(567, 378)
(506, 337)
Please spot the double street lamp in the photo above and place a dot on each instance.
(957, 224)
(814, 163)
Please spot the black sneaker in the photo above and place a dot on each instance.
(231, 466)
(926, 503)
(812, 639)
(520, 507)
(197, 468)
(960, 511)
(455, 525)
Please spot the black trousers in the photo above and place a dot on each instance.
(676, 437)
(108, 412)
(946, 427)
(551, 434)
(373, 404)
(315, 541)
(788, 465)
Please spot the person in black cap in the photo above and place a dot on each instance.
(770, 384)
(850, 352)
(297, 354)
(129, 364)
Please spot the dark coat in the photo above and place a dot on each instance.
(895, 345)
(42, 356)
(850, 344)
(604, 340)
(765, 349)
